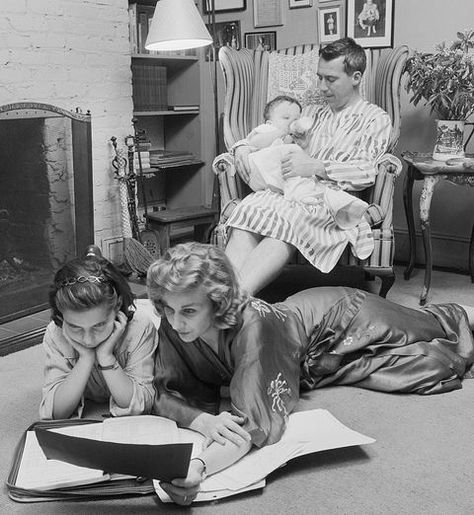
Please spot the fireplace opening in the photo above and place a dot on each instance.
(46, 215)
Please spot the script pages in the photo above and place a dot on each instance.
(307, 432)
(38, 473)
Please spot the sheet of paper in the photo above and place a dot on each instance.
(38, 473)
(211, 495)
(142, 429)
(307, 432)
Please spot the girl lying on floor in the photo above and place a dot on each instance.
(214, 337)
(97, 346)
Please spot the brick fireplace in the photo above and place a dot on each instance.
(69, 54)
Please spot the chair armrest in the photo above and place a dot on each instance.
(231, 186)
(380, 210)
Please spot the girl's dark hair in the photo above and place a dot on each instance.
(355, 59)
(88, 282)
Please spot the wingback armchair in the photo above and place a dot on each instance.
(248, 86)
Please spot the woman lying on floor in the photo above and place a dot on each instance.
(212, 336)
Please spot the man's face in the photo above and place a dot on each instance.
(337, 87)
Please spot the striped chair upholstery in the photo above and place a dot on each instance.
(246, 84)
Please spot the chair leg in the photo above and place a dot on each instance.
(387, 283)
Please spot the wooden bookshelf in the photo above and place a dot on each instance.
(175, 130)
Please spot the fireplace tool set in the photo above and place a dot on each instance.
(136, 255)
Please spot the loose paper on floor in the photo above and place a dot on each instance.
(307, 432)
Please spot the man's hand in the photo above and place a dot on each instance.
(298, 164)
(220, 428)
(241, 162)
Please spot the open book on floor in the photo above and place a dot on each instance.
(87, 454)
(92, 459)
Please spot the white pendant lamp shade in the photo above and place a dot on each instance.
(177, 25)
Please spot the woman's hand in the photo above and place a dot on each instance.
(221, 428)
(298, 164)
(241, 162)
(184, 491)
(105, 351)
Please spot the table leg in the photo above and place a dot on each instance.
(408, 203)
(429, 184)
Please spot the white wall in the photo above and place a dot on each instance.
(74, 53)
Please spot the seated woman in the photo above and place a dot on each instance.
(97, 346)
(348, 137)
(215, 338)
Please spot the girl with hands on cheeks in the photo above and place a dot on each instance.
(97, 345)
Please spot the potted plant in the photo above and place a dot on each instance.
(445, 81)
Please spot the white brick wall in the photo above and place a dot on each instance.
(74, 53)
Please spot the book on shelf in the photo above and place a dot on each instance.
(184, 107)
(164, 158)
(149, 87)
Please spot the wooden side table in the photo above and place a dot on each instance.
(163, 222)
(424, 167)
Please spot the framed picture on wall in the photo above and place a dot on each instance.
(370, 22)
(227, 34)
(222, 6)
(295, 4)
(267, 13)
(260, 40)
(329, 24)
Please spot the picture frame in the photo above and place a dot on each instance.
(227, 33)
(370, 27)
(329, 23)
(223, 6)
(267, 13)
(297, 4)
(260, 40)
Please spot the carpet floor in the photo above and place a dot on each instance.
(421, 462)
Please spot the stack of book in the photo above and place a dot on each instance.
(149, 87)
(144, 158)
(171, 158)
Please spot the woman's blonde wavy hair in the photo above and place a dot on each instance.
(187, 266)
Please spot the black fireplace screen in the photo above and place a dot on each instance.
(46, 214)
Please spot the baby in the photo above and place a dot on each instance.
(273, 140)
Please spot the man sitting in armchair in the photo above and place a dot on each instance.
(347, 138)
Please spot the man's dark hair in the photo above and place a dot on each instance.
(278, 100)
(354, 55)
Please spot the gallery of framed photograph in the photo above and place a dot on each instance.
(370, 22)
(329, 23)
(296, 4)
(260, 40)
(222, 6)
(227, 34)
